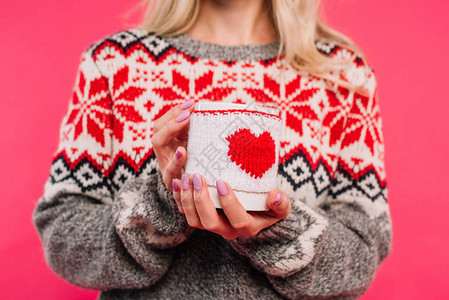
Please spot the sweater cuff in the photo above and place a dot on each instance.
(287, 246)
(146, 206)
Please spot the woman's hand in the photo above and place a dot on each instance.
(192, 196)
(170, 139)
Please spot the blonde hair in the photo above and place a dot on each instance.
(298, 24)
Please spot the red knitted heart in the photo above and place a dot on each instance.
(254, 155)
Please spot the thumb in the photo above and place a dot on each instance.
(279, 204)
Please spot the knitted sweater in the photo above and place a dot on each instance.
(107, 221)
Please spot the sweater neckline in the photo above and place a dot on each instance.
(201, 49)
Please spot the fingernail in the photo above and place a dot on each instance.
(185, 182)
(197, 184)
(278, 199)
(187, 104)
(178, 153)
(221, 187)
(175, 185)
(184, 115)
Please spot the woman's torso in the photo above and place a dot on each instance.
(146, 75)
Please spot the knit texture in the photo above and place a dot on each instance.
(107, 221)
(239, 147)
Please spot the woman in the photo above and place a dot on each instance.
(119, 215)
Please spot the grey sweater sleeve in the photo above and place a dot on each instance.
(92, 236)
(327, 253)
(110, 246)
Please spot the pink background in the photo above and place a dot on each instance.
(406, 43)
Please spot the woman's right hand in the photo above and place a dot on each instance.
(169, 141)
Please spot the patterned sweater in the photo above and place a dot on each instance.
(107, 221)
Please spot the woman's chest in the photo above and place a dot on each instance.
(312, 113)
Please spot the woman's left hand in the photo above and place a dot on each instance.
(192, 195)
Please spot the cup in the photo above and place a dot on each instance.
(239, 144)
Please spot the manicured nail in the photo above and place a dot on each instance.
(185, 182)
(178, 153)
(187, 104)
(221, 187)
(197, 184)
(278, 199)
(184, 115)
(175, 185)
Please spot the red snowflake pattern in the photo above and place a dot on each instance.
(336, 114)
(295, 103)
(298, 106)
(364, 122)
(124, 102)
(91, 107)
(204, 89)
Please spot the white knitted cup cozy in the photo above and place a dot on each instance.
(236, 143)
